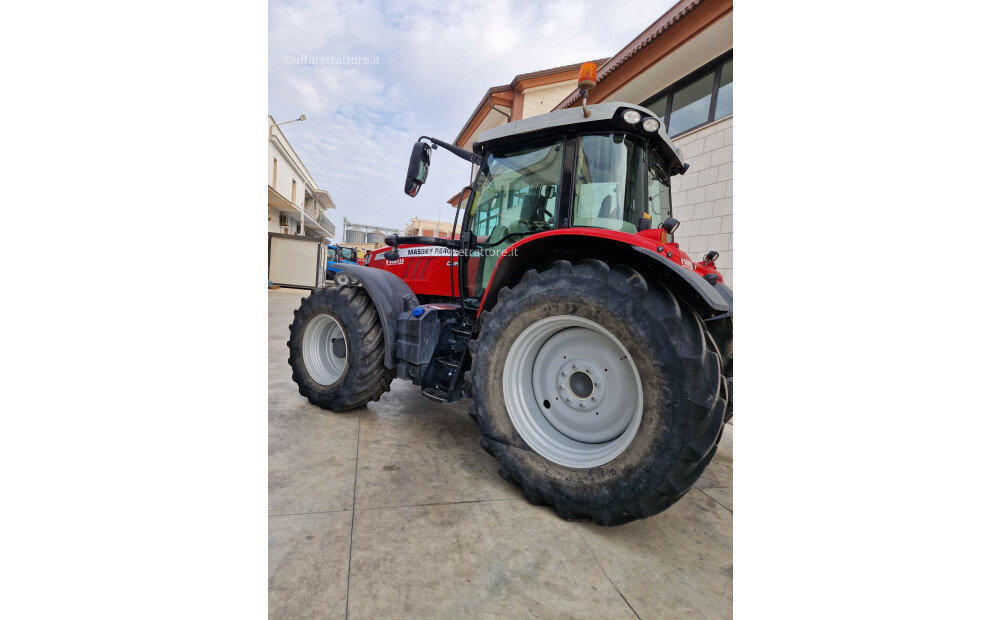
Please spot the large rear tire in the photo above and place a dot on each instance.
(641, 411)
(336, 349)
(721, 331)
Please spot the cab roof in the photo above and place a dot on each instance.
(601, 115)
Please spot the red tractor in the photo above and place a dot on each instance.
(597, 355)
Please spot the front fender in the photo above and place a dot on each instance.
(391, 296)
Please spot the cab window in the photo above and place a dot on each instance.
(516, 195)
(608, 194)
(659, 191)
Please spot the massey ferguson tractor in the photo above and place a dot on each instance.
(596, 354)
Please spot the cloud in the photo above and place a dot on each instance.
(435, 62)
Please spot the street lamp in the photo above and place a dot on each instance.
(301, 117)
(294, 120)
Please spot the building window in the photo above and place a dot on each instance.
(274, 174)
(700, 98)
(293, 191)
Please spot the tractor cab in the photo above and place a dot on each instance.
(605, 172)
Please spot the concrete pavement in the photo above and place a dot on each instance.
(395, 511)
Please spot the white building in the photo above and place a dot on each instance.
(295, 203)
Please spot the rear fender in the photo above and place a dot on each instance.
(538, 251)
(391, 296)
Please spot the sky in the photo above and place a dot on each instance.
(429, 64)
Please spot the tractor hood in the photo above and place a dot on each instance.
(602, 116)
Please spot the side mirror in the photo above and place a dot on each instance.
(420, 162)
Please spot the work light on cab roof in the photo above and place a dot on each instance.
(587, 81)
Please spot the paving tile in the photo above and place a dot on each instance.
(415, 451)
(307, 564)
(483, 560)
(723, 495)
(678, 563)
(311, 458)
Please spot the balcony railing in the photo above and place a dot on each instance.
(325, 223)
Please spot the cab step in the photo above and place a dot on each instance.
(435, 394)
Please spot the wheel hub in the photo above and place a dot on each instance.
(581, 385)
(324, 349)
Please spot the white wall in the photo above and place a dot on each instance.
(541, 99)
(274, 224)
(285, 175)
(703, 198)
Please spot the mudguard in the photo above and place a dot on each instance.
(708, 294)
(618, 247)
(391, 296)
(727, 294)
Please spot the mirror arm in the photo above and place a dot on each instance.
(460, 152)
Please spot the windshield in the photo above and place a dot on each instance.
(515, 196)
(516, 193)
(608, 194)
(347, 253)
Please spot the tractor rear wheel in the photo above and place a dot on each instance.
(336, 349)
(596, 392)
(721, 331)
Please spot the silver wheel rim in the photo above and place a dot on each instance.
(319, 349)
(572, 391)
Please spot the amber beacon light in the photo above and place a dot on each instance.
(586, 81)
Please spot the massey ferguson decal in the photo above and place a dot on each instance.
(425, 250)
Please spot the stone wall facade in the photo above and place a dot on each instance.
(703, 198)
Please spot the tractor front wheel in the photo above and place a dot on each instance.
(336, 349)
(596, 392)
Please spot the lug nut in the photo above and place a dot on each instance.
(562, 387)
(589, 371)
(597, 384)
(574, 366)
(564, 373)
(593, 398)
